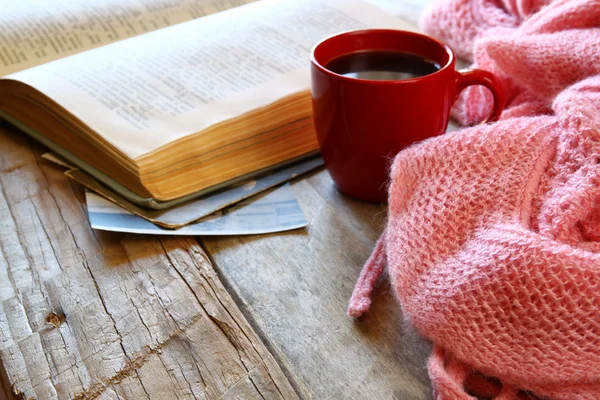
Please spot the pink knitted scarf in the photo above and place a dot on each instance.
(493, 237)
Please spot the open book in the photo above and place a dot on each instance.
(164, 113)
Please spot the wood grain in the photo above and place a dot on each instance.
(87, 314)
(296, 286)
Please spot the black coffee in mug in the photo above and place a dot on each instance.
(382, 65)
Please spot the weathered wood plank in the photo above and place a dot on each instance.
(86, 314)
(296, 287)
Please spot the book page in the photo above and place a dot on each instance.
(34, 32)
(142, 93)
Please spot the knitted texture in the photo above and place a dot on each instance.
(535, 48)
(492, 243)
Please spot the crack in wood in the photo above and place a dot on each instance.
(185, 378)
(188, 347)
(101, 298)
(142, 320)
(296, 386)
(137, 374)
(255, 387)
(223, 326)
(269, 375)
(8, 269)
(41, 223)
(214, 276)
(130, 368)
(114, 352)
(174, 383)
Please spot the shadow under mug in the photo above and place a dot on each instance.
(362, 124)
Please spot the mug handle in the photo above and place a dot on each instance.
(468, 77)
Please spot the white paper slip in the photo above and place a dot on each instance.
(275, 211)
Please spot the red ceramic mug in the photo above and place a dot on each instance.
(362, 124)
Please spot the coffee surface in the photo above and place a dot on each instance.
(382, 65)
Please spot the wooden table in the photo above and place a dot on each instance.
(90, 314)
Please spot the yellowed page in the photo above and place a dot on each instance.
(33, 32)
(145, 92)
